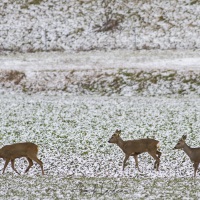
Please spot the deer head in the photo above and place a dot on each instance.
(181, 143)
(115, 137)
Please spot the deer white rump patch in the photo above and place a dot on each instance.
(158, 145)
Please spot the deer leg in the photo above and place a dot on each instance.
(33, 157)
(125, 159)
(30, 164)
(136, 161)
(158, 153)
(195, 165)
(5, 165)
(155, 165)
(13, 166)
(157, 162)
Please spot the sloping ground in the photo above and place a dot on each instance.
(41, 25)
(103, 73)
(104, 82)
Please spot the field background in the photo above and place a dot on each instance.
(72, 133)
(72, 72)
(85, 25)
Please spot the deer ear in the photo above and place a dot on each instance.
(184, 137)
(118, 132)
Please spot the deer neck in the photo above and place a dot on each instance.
(187, 150)
(120, 143)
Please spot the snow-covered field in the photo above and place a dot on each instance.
(99, 60)
(70, 102)
(79, 163)
(72, 131)
(84, 25)
(119, 72)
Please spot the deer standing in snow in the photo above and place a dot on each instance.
(193, 153)
(136, 147)
(18, 150)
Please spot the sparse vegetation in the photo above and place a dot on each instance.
(36, 2)
(11, 76)
(103, 83)
(194, 2)
(72, 134)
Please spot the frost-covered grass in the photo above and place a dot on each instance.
(72, 134)
(51, 187)
(35, 25)
(121, 72)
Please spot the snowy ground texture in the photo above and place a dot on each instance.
(70, 102)
(72, 126)
(119, 72)
(79, 163)
(82, 25)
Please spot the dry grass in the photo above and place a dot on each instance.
(12, 76)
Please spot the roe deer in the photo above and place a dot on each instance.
(18, 150)
(193, 153)
(136, 147)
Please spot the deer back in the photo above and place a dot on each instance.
(141, 145)
(18, 150)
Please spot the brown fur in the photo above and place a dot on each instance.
(18, 150)
(193, 153)
(136, 147)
